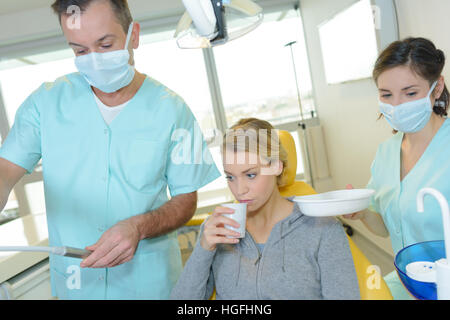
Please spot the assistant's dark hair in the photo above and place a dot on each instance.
(423, 58)
(120, 8)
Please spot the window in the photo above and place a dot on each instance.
(349, 44)
(18, 79)
(255, 76)
(182, 71)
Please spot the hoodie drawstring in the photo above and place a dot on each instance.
(283, 244)
(239, 265)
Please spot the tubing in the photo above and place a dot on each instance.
(61, 251)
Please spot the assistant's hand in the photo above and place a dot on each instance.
(116, 246)
(353, 216)
(214, 231)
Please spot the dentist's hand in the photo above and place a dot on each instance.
(354, 216)
(214, 231)
(116, 246)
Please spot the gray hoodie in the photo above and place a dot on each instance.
(304, 258)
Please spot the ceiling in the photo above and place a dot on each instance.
(13, 6)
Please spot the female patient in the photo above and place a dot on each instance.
(284, 254)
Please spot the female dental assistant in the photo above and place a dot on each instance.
(414, 101)
(106, 177)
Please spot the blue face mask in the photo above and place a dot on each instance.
(411, 116)
(108, 71)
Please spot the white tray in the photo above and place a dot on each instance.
(335, 203)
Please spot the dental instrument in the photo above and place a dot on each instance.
(61, 251)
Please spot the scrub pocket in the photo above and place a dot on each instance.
(145, 164)
(63, 279)
(59, 284)
(71, 282)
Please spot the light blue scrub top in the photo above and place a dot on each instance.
(96, 175)
(395, 200)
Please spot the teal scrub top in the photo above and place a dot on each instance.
(395, 200)
(96, 175)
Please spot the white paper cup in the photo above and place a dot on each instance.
(239, 215)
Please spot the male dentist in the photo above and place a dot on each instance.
(108, 136)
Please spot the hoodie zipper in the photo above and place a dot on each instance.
(258, 263)
(260, 258)
(260, 254)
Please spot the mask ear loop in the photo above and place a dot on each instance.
(130, 28)
(437, 103)
(433, 86)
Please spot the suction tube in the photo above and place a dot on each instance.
(61, 251)
(442, 265)
(444, 210)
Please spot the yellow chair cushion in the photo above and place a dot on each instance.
(290, 170)
(197, 219)
(297, 188)
(371, 283)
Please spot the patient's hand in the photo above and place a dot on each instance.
(214, 231)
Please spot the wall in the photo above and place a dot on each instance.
(349, 112)
(428, 19)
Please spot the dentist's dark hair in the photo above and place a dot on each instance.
(423, 58)
(120, 8)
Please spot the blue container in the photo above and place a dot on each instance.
(424, 251)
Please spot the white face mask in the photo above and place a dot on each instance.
(108, 71)
(411, 116)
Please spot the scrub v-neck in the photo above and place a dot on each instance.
(120, 115)
(428, 149)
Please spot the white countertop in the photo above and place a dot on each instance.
(26, 231)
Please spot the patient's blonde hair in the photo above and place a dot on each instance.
(256, 136)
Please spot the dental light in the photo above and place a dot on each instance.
(208, 23)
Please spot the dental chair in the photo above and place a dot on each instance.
(365, 271)
(371, 283)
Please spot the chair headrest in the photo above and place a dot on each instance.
(288, 143)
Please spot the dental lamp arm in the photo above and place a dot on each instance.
(184, 24)
(247, 7)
